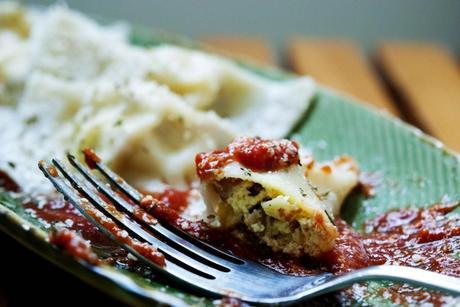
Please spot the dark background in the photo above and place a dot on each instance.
(26, 279)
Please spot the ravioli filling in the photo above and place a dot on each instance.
(274, 219)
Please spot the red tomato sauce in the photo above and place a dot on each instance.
(8, 183)
(423, 238)
(91, 158)
(426, 238)
(256, 154)
(177, 200)
(53, 210)
(73, 243)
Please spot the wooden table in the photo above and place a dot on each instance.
(417, 82)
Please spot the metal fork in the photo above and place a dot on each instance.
(204, 268)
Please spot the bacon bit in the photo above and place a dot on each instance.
(52, 170)
(256, 154)
(71, 242)
(326, 169)
(91, 158)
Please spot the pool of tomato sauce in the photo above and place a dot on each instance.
(424, 238)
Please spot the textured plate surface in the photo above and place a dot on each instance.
(414, 170)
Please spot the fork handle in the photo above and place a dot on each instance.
(402, 274)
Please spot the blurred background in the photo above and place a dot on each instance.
(367, 22)
(400, 56)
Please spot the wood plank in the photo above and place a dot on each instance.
(427, 77)
(341, 65)
(252, 48)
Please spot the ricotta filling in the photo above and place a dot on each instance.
(267, 214)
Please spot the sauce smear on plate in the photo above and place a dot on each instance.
(427, 238)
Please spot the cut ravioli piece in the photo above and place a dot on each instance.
(261, 184)
(334, 180)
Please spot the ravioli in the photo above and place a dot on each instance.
(261, 184)
(67, 82)
(68, 45)
(143, 130)
(250, 103)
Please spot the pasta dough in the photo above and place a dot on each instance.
(67, 82)
(334, 179)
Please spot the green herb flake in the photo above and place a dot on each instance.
(31, 120)
(302, 192)
(329, 217)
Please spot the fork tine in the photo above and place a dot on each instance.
(156, 228)
(113, 178)
(75, 199)
(252, 283)
(134, 229)
(174, 233)
(172, 271)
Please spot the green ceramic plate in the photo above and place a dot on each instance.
(415, 170)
